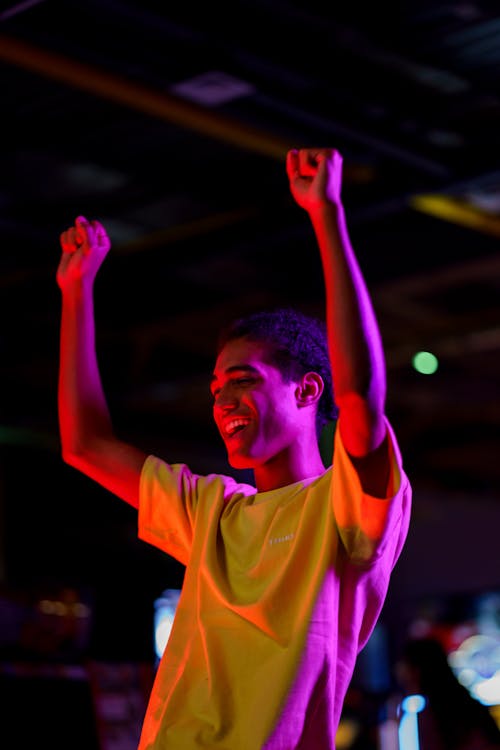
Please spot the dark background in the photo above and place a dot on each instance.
(170, 122)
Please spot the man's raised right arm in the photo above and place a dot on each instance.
(88, 441)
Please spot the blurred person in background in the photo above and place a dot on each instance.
(451, 719)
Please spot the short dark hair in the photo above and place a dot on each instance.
(297, 344)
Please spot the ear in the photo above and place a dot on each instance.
(309, 389)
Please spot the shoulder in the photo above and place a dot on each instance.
(157, 474)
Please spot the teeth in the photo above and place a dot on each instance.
(232, 426)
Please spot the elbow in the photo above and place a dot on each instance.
(67, 456)
(72, 457)
(75, 451)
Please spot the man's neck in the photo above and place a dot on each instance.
(284, 470)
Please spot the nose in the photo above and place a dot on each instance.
(225, 400)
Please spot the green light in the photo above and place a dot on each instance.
(425, 363)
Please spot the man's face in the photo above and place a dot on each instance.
(254, 409)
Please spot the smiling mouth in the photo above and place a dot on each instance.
(235, 426)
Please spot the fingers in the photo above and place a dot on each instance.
(69, 241)
(81, 226)
(299, 163)
(308, 162)
(74, 237)
(101, 235)
(305, 162)
(83, 235)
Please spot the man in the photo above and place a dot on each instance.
(285, 579)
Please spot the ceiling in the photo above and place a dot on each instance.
(169, 122)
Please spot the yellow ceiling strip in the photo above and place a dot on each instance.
(136, 96)
(457, 211)
(208, 122)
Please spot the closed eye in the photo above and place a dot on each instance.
(244, 381)
(236, 382)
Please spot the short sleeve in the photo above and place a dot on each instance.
(167, 505)
(366, 522)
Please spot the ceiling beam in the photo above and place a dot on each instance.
(210, 123)
(157, 104)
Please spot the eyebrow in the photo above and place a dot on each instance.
(237, 368)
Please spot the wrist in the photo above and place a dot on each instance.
(76, 289)
(326, 211)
